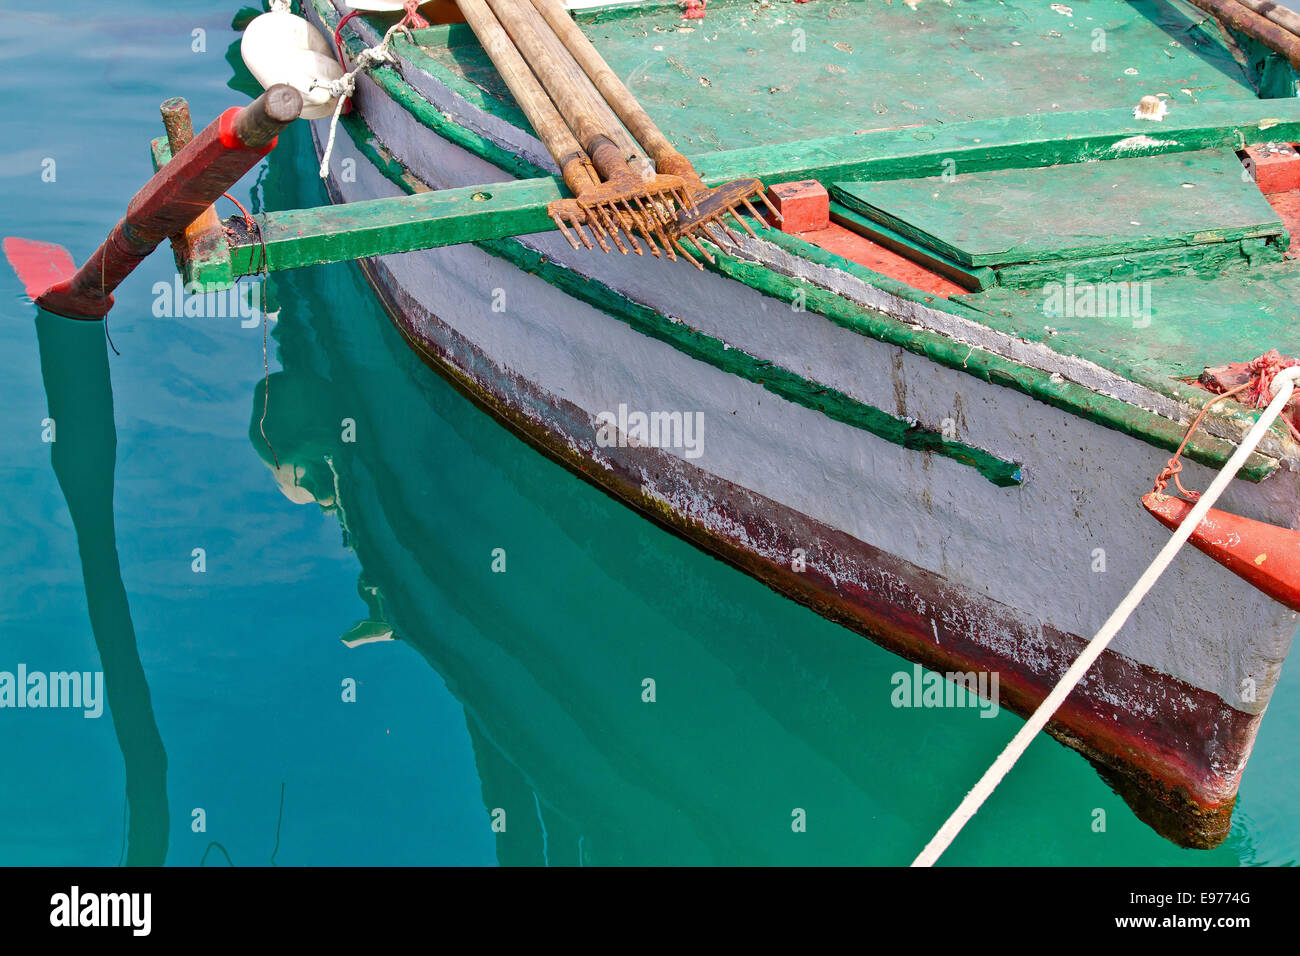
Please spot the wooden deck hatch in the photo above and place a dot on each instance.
(1184, 213)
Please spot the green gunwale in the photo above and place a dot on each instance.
(1041, 139)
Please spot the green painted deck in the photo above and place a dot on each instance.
(1058, 99)
(1011, 216)
(759, 73)
(1182, 325)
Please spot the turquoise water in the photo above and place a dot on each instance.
(518, 691)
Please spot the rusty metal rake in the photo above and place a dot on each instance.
(579, 109)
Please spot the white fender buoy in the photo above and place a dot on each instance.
(280, 47)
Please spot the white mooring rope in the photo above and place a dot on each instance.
(1283, 385)
(346, 85)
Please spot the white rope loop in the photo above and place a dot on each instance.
(346, 85)
(1283, 386)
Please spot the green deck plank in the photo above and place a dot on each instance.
(1204, 261)
(1183, 325)
(1013, 216)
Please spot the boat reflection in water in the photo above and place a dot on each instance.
(74, 366)
(763, 713)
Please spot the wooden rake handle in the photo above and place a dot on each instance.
(559, 82)
(666, 157)
(575, 164)
(573, 75)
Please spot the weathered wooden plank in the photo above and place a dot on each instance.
(1017, 142)
(1013, 216)
(1203, 261)
(305, 237)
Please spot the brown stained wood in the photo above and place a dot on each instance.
(1276, 12)
(260, 122)
(557, 79)
(666, 157)
(1245, 20)
(584, 88)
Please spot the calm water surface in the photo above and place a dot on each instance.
(515, 694)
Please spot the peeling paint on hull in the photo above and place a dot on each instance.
(1172, 751)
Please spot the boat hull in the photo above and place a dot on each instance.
(917, 552)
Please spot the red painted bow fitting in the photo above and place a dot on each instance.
(1264, 555)
(179, 193)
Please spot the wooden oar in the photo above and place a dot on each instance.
(606, 119)
(550, 127)
(1246, 20)
(707, 206)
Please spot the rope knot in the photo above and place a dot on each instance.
(346, 85)
(1265, 368)
(1258, 389)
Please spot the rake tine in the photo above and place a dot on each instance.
(772, 209)
(689, 258)
(684, 197)
(636, 246)
(599, 233)
(649, 212)
(641, 227)
(671, 200)
(576, 223)
(699, 247)
(649, 240)
(617, 218)
(582, 234)
(565, 232)
(599, 214)
(614, 221)
(668, 247)
(656, 225)
(756, 214)
(645, 234)
(730, 235)
(743, 224)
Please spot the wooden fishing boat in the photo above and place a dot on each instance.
(1025, 250)
(893, 430)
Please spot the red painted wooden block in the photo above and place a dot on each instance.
(1276, 165)
(806, 205)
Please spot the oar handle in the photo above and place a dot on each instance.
(666, 157)
(547, 123)
(178, 193)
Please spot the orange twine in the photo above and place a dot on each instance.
(1265, 368)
